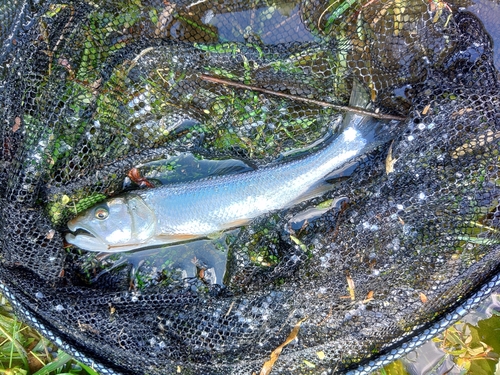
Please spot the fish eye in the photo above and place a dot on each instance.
(101, 213)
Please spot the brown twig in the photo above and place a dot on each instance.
(299, 98)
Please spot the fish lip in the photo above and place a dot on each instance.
(82, 232)
(74, 227)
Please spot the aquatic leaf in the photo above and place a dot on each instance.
(488, 228)
(325, 204)
(89, 201)
(215, 235)
(453, 337)
(465, 364)
(309, 364)
(341, 8)
(457, 353)
(478, 240)
(298, 242)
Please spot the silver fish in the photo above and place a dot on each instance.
(185, 211)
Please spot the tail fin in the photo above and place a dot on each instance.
(360, 99)
(375, 131)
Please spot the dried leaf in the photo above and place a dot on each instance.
(486, 346)
(476, 351)
(369, 297)
(389, 161)
(50, 234)
(350, 286)
(423, 297)
(267, 367)
(460, 112)
(468, 339)
(17, 124)
(426, 109)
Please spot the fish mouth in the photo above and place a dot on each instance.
(79, 231)
(84, 239)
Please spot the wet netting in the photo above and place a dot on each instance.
(102, 97)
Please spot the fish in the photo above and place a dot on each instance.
(198, 209)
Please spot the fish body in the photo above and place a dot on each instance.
(195, 209)
(184, 211)
(222, 202)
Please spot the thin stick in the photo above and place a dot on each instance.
(299, 98)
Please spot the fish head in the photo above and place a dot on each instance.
(115, 225)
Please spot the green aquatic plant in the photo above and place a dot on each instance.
(60, 207)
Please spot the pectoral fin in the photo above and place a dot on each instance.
(230, 225)
(314, 191)
(167, 238)
(215, 235)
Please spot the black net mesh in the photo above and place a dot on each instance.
(109, 96)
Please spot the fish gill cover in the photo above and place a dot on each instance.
(99, 97)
